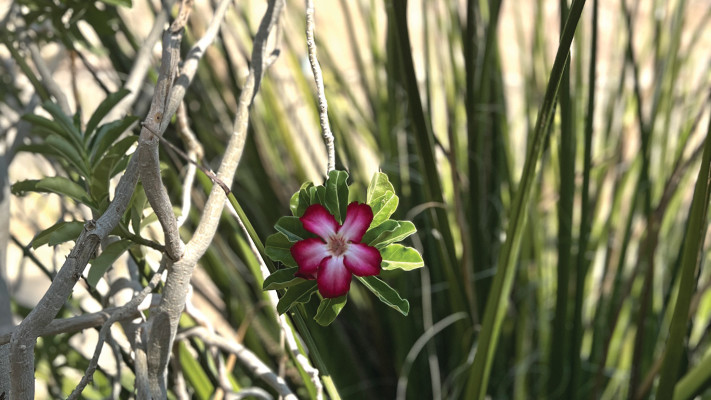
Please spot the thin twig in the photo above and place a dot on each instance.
(318, 77)
(49, 83)
(122, 312)
(245, 356)
(195, 152)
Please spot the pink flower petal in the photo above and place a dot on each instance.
(333, 278)
(308, 254)
(318, 220)
(358, 219)
(362, 260)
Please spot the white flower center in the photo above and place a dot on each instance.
(337, 245)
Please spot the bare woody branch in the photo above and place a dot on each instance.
(178, 279)
(318, 77)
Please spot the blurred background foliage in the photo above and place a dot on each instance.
(443, 96)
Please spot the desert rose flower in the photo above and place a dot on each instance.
(337, 255)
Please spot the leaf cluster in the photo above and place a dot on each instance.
(383, 233)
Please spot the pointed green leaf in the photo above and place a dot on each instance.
(401, 257)
(107, 135)
(124, 3)
(278, 248)
(104, 107)
(383, 207)
(55, 184)
(70, 152)
(300, 293)
(292, 228)
(282, 279)
(60, 232)
(40, 148)
(101, 264)
(337, 194)
(385, 293)
(104, 169)
(379, 185)
(329, 309)
(390, 231)
(71, 132)
(46, 125)
(137, 205)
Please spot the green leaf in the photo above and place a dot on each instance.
(337, 194)
(137, 205)
(104, 170)
(278, 248)
(401, 257)
(385, 233)
(329, 309)
(40, 148)
(104, 107)
(300, 293)
(375, 232)
(47, 124)
(60, 232)
(70, 131)
(379, 185)
(101, 264)
(69, 152)
(383, 207)
(282, 279)
(385, 293)
(317, 194)
(292, 228)
(300, 200)
(107, 135)
(124, 3)
(56, 184)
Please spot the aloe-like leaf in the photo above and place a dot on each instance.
(106, 135)
(101, 264)
(104, 108)
(300, 293)
(329, 309)
(282, 279)
(60, 232)
(292, 228)
(386, 293)
(397, 256)
(55, 184)
(337, 194)
(383, 207)
(379, 185)
(388, 236)
(278, 248)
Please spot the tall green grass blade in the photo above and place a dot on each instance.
(498, 297)
(693, 242)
